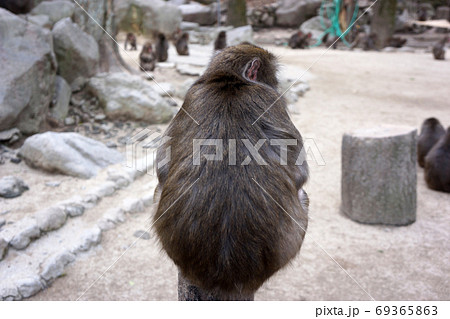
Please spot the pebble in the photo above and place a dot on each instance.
(111, 144)
(53, 184)
(69, 120)
(141, 234)
(16, 160)
(11, 186)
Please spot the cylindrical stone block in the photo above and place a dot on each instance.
(379, 177)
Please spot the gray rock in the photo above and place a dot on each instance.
(184, 87)
(126, 96)
(106, 189)
(69, 120)
(68, 153)
(11, 186)
(443, 12)
(74, 209)
(106, 225)
(76, 51)
(9, 294)
(27, 73)
(153, 16)
(187, 69)
(292, 13)
(29, 286)
(60, 105)
(3, 247)
(133, 205)
(188, 26)
(51, 218)
(163, 88)
(54, 266)
(2, 222)
(10, 136)
(121, 178)
(53, 184)
(115, 215)
(379, 175)
(20, 233)
(41, 20)
(142, 234)
(55, 10)
(238, 35)
(91, 237)
(314, 26)
(201, 14)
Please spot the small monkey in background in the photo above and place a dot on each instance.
(161, 48)
(131, 39)
(182, 44)
(147, 58)
(221, 41)
(430, 132)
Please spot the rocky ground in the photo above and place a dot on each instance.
(109, 252)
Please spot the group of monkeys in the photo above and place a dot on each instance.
(148, 57)
(433, 154)
(367, 41)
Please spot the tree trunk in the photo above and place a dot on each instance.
(237, 13)
(383, 21)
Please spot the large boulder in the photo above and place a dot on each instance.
(55, 10)
(127, 96)
(314, 26)
(68, 153)
(27, 73)
(148, 16)
(76, 51)
(196, 12)
(239, 35)
(60, 104)
(292, 13)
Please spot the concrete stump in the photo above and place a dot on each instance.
(379, 175)
(190, 292)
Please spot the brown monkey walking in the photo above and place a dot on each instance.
(231, 224)
(367, 41)
(221, 41)
(437, 165)
(439, 49)
(430, 132)
(182, 44)
(299, 40)
(161, 48)
(131, 39)
(147, 58)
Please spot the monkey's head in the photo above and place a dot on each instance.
(249, 61)
(222, 34)
(185, 36)
(161, 36)
(431, 122)
(147, 47)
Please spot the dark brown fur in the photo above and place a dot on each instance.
(147, 58)
(367, 41)
(161, 48)
(182, 44)
(437, 165)
(396, 42)
(300, 40)
(221, 41)
(430, 132)
(131, 39)
(439, 49)
(17, 6)
(225, 233)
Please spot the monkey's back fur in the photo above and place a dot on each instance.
(225, 232)
(430, 132)
(437, 165)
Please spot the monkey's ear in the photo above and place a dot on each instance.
(252, 71)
